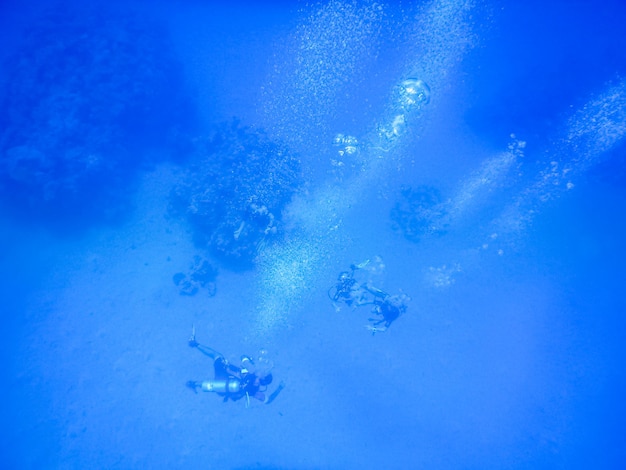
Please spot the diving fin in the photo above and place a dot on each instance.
(275, 393)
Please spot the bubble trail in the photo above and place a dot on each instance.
(590, 133)
(290, 271)
(325, 54)
(491, 175)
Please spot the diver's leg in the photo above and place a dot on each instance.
(375, 291)
(206, 350)
(221, 368)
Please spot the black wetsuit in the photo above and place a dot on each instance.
(345, 288)
(388, 311)
(228, 372)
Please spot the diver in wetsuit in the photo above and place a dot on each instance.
(347, 289)
(234, 382)
(387, 307)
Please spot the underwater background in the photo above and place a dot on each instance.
(213, 167)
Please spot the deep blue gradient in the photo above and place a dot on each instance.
(140, 136)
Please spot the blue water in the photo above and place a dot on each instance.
(469, 155)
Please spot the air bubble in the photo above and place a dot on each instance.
(414, 94)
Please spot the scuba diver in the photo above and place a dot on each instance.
(387, 307)
(235, 382)
(347, 289)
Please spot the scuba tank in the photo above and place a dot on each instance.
(230, 385)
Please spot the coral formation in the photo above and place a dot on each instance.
(234, 191)
(201, 275)
(85, 94)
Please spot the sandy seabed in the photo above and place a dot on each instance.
(500, 365)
